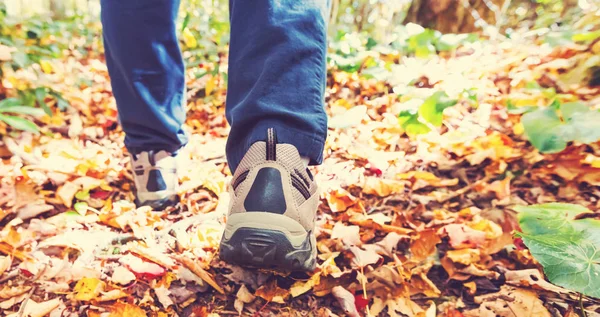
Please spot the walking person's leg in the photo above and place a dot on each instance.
(277, 76)
(147, 77)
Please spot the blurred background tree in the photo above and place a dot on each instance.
(378, 17)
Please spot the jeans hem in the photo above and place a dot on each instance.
(308, 144)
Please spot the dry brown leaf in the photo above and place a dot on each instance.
(510, 302)
(122, 276)
(425, 179)
(120, 309)
(339, 200)
(464, 256)
(200, 272)
(349, 235)
(110, 295)
(532, 278)
(33, 309)
(32, 210)
(300, 287)
(242, 297)
(346, 300)
(13, 301)
(12, 291)
(271, 292)
(382, 187)
(67, 192)
(462, 236)
(363, 258)
(424, 244)
(162, 293)
(5, 263)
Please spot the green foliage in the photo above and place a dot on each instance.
(15, 106)
(358, 52)
(549, 129)
(568, 249)
(415, 120)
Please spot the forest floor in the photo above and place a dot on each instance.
(410, 223)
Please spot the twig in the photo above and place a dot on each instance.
(464, 190)
(583, 313)
(22, 308)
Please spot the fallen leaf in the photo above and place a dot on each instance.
(363, 258)
(532, 278)
(142, 269)
(200, 272)
(87, 289)
(339, 200)
(349, 235)
(509, 302)
(121, 309)
(110, 295)
(382, 187)
(461, 235)
(8, 291)
(271, 292)
(300, 287)
(464, 256)
(162, 293)
(122, 276)
(242, 297)
(5, 263)
(31, 308)
(346, 300)
(424, 244)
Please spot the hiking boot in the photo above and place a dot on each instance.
(272, 212)
(155, 177)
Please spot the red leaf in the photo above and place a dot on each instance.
(100, 194)
(519, 244)
(360, 302)
(26, 273)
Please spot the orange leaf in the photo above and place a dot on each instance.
(126, 310)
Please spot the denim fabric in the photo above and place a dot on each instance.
(277, 73)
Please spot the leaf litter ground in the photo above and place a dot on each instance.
(416, 225)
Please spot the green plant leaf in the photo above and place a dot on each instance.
(548, 218)
(433, 108)
(9, 102)
(409, 121)
(542, 128)
(40, 95)
(81, 207)
(581, 123)
(36, 112)
(82, 195)
(512, 109)
(568, 249)
(20, 123)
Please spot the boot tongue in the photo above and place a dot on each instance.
(271, 144)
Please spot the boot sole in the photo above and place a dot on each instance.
(267, 240)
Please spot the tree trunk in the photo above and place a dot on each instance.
(454, 16)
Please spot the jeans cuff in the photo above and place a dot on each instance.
(308, 144)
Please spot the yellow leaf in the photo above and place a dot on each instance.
(126, 310)
(88, 288)
(46, 66)
(464, 256)
(518, 129)
(210, 85)
(189, 39)
(382, 187)
(301, 287)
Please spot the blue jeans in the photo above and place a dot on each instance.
(277, 73)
